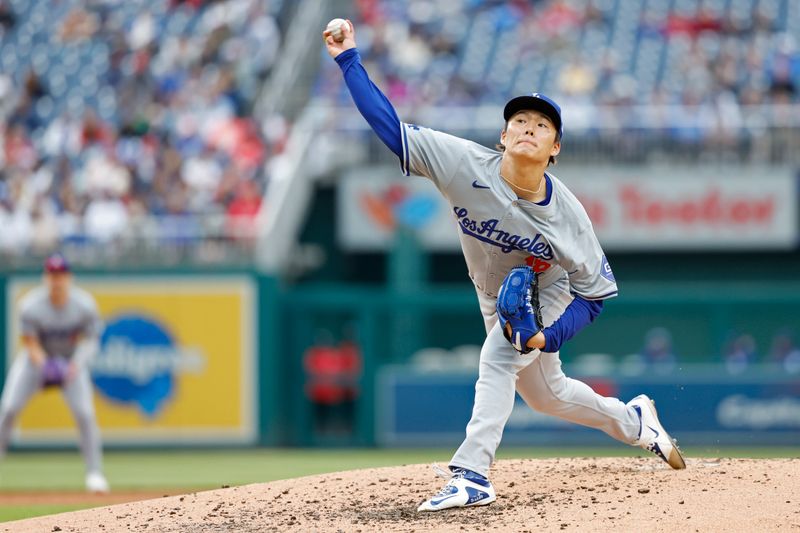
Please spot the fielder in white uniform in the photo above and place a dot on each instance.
(510, 212)
(60, 329)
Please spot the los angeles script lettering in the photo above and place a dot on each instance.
(486, 231)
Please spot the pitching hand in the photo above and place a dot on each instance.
(334, 48)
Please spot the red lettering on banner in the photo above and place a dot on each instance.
(739, 212)
(596, 211)
(537, 264)
(655, 212)
(709, 208)
(764, 210)
(631, 203)
(687, 213)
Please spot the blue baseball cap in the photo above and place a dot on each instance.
(537, 102)
(56, 263)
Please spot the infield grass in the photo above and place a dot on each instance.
(19, 512)
(193, 470)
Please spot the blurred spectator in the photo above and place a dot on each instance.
(656, 354)
(785, 352)
(243, 209)
(7, 17)
(740, 353)
(34, 88)
(16, 228)
(44, 226)
(577, 80)
(202, 173)
(106, 218)
(79, 24)
(657, 351)
(332, 374)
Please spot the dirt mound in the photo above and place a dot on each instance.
(533, 495)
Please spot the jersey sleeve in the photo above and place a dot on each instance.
(431, 153)
(370, 101)
(589, 272)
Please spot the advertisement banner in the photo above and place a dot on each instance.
(631, 208)
(701, 406)
(372, 206)
(177, 362)
(658, 209)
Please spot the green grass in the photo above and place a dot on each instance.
(201, 469)
(19, 512)
(181, 469)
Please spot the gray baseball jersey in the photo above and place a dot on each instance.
(500, 230)
(59, 330)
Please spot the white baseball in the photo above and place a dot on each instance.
(336, 27)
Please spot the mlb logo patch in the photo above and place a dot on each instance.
(605, 270)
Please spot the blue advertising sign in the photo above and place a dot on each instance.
(699, 406)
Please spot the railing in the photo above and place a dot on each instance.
(701, 134)
(281, 91)
(158, 241)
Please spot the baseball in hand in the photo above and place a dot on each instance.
(336, 27)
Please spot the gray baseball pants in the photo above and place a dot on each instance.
(24, 379)
(539, 380)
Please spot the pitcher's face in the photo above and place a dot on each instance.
(531, 134)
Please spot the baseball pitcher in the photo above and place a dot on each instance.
(60, 328)
(536, 264)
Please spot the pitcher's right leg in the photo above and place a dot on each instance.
(23, 380)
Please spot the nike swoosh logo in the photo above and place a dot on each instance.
(437, 502)
(654, 430)
(517, 343)
(479, 186)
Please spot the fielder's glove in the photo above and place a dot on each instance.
(518, 307)
(54, 372)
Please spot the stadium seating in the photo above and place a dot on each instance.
(604, 51)
(114, 112)
(694, 72)
(139, 114)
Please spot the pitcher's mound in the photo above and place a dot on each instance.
(631, 494)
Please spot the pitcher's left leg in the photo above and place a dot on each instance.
(78, 394)
(545, 388)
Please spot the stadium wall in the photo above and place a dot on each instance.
(420, 326)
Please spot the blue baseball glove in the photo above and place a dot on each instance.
(518, 307)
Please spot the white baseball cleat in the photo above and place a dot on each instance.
(465, 489)
(96, 483)
(652, 435)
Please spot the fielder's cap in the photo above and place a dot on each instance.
(56, 263)
(537, 102)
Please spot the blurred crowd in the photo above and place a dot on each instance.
(709, 59)
(738, 354)
(124, 119)
(112, 112)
